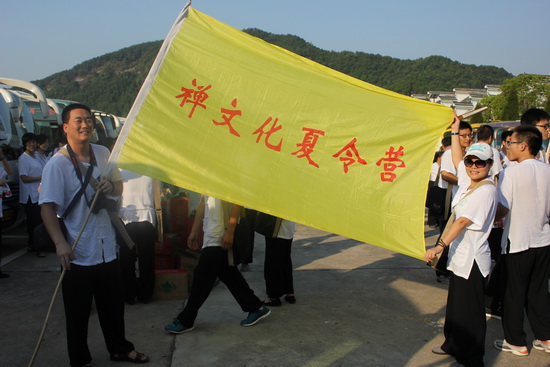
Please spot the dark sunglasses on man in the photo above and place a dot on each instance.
(468, 162)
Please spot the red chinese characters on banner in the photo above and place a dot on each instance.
(228, 116)
(349, 155)
(194, 96)
(273, 129)
(391, 163)
(308, 144)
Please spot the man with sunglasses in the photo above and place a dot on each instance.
(524, 202)
(540, 119)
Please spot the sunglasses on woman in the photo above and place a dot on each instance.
(479, 163)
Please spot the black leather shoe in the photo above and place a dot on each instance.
(273, 302)
(290, 299)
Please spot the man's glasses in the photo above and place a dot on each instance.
(471, 136)
(479, 163)
(547, 126)
(509, 142)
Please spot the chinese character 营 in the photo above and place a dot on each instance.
(391, 163)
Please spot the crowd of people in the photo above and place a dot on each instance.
(58, 191)
(494, 246)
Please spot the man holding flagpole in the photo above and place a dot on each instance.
(91, 269)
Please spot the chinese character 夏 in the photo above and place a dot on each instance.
(308, 144)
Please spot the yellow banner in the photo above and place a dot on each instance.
(229, 115)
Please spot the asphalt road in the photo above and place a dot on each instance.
(358, 305)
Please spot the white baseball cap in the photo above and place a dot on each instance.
(480, 150)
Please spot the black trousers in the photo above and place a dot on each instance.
(144, 236)
(465, 324)
(251, 218)
(278, 267)
(103, 283)
(213, 264)
(32, 213)
(527, 289)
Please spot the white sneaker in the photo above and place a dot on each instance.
(542, 345)
(505, 347)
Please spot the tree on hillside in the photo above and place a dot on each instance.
(518, 94)
(110, 82)
(510, 112)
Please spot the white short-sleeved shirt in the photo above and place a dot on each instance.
(59, 185)
(447, 165)
(434, 171)
(471, 244)
(524, 189)
(42, 158)
(215, 211)
(506, 162)
(138, 198)
(28, 166)
(287, 229)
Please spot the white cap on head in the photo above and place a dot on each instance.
(480, 150)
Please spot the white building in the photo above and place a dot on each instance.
(461, 99)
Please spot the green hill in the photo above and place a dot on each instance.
(111, 82)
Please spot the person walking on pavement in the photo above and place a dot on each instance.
(92, 271)
(220, 219)
(524, 203)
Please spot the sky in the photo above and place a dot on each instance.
(40, 38)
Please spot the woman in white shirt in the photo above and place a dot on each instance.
(469, 261)
(30, 175)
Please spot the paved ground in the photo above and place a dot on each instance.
(358, 305)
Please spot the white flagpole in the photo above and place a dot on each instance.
(145, 88)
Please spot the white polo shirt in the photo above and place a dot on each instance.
(471, 244)
(524, 189)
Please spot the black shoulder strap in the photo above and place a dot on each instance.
(67, 152)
